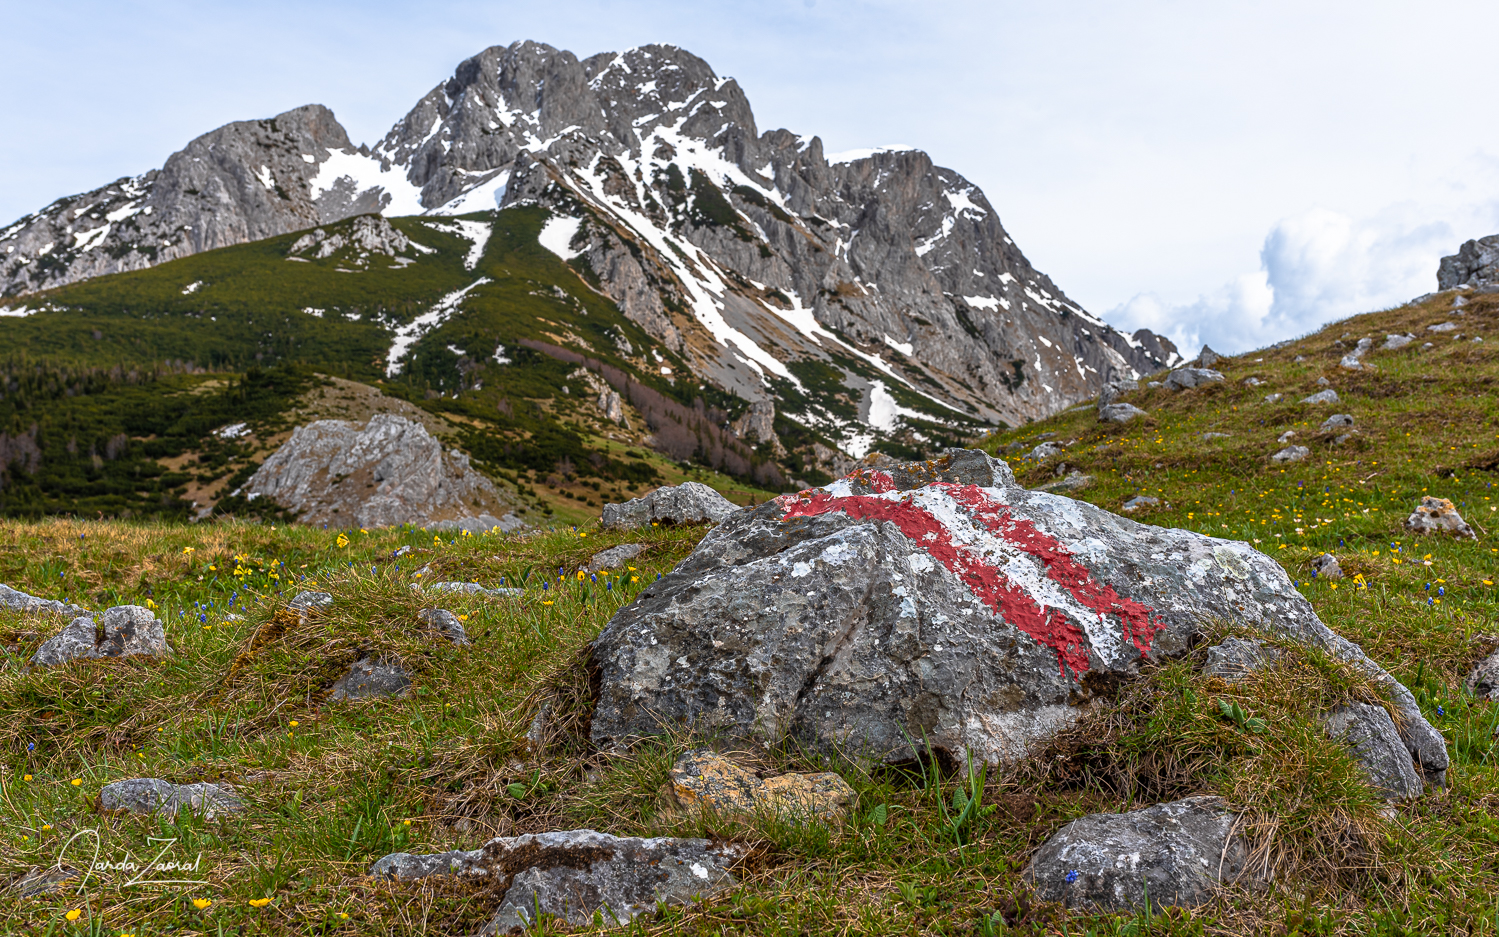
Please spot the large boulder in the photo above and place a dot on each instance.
(1169, 855)
(124, 631)
(386, 472)
(1374, 742)
(575, 873)
(1184, 378)
(933, 604)
(687, 503)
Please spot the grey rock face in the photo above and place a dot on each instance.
(757, 424)
(368, 234)
(1438, 515)
(1326, 567)
(446, 622)
(16, 600)
(614, 557)
(1322, 396)
(933, 600)
(1337, 421)
(1177, 853)
(371, 678)
(574, 873)
(124, 631)
(1291, 454)
(1114, 388)
(1138, 502)
(1371, 736)
(1475, 264)
(1119, 413)
(153, 795)
(687, 503)
(1236, 657)
(1184, 378)
(389, 471)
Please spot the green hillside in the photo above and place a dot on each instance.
(331, 788)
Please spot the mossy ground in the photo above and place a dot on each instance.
(331, 788)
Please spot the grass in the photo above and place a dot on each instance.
(332, 787)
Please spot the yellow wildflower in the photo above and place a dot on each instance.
(74, 914)
(259, 902)
(201, 903)
(76, 782)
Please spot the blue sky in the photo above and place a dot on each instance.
(1230, 172)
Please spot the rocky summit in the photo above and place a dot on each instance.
(933, 605)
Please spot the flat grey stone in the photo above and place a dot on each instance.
(1045, 451)
(153, 795)
(1273, 398)
(1326, 567)
(1119, 413)
(1138, 502)
(1291, 454)
(1350, 362)
(614, 557)
(446, 622)
(1392, 342)
(1186, 378)
(1442, 327)
(472, 588)
(1236, 657)
(1217, 435)
(687, 503)
(16, 600)
(371, 678)
(1322, 396)
(310, 601)
(125, 631)
(1178, 853)
(42, 881)
(1337, 421)
(575, 873)
(1375, 743)
(1075, 481)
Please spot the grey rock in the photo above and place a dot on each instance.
(446, 622)
(1273, 398)
(1286, 437)
(1442, 327)
(1115, 388)
(1438, 515)
(1375, 744)
(1252, 382)
(1291, 454)
(482, 524)
(1074, 481)
(1344, 437)
(1206, 358)
(18, 601)
(1138, 502)
(1236, 657)
(1184, 378)
(305, 602)
(1326, 567)
(371, 678)
(1350, 362)
(1475, 264)
(1337, 421)
(1426, 345)
(575, 873)
(123, 631)
(1392, 342)
(687, 503)
(42, 881)
(1119, 413)
(757, 424)
(473, 588)
(1177, 853)
(1299, 358)
(153, 795)
(849, 620)
(387, 472)
(614, 557)
(1217, 435)
(1045, 451)
(365, 235)
(1483, 682)
(1323, 382)
(1322, 396)
(1154, 384)
(1459, 301)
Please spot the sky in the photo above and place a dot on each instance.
(1233, 173)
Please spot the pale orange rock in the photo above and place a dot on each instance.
(706, 779)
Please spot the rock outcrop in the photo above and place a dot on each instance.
(687, 503)
(123, 631)
(575, 873)
(1475, 264)
(26, 603)
(934, 603)
(388, 471)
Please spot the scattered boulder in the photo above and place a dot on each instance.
(1339, 440)
(388, 471)
(1114, 388)
(932, 604)
(575, 873)
(1323, 382)
(1119, 413)
(1206, 358)
(1173, 855)
(1273, 398)
(446, 622)
(1351, 360)
(1217, 435)
(1138, 502)
(704, 779)
(1337, 421)
(1326, 567)
(687, 503)
(1236, 657)
(1442, 327)
(1438, 515)
(126, 631)
(153, 795)
(371, 678)
(482, 524)
(1075, 481)
(1291, 454)
(1154, 384)
(1372, 738)
(1322, 396)
(1483, 682)
(614, 557)
(18, 601)
(473, 588)
(306, 603)
(1286, 437)
(1184, 378)
(1045, 451)
(1392, 342)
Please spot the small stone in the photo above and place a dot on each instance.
(1392, 342)
(687, 503)
(1207, 357)
(1339, 440)
(153, 795)
(704, 779)
(1186, 378)
(1326, 567)
(1337, 421)
(306, 603)
(1291, 454)
(446, 622)
(1299, 358)
(1375, 743)
(1044, 451)
(1154, 384)
(1252, 382)
(574, 873)
(371, 678)
(1273, 398)
(472, 588)
(1323, 382)
(1119, 413)
(1217, 435)
(128, 630)
(1442, 327)
(1322, 396)
(1235, 658)
(1176, 853)
(1114, 388)
(42, 881)
(1075, 481)
(1286, 437)
(614, 557)
(1138, 502)
(1426, 345)
(1438, 515)
(1483, 682)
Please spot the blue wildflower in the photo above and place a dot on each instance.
(1072, 876)
(1441, 711)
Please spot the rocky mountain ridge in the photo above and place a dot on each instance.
(774, 271)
